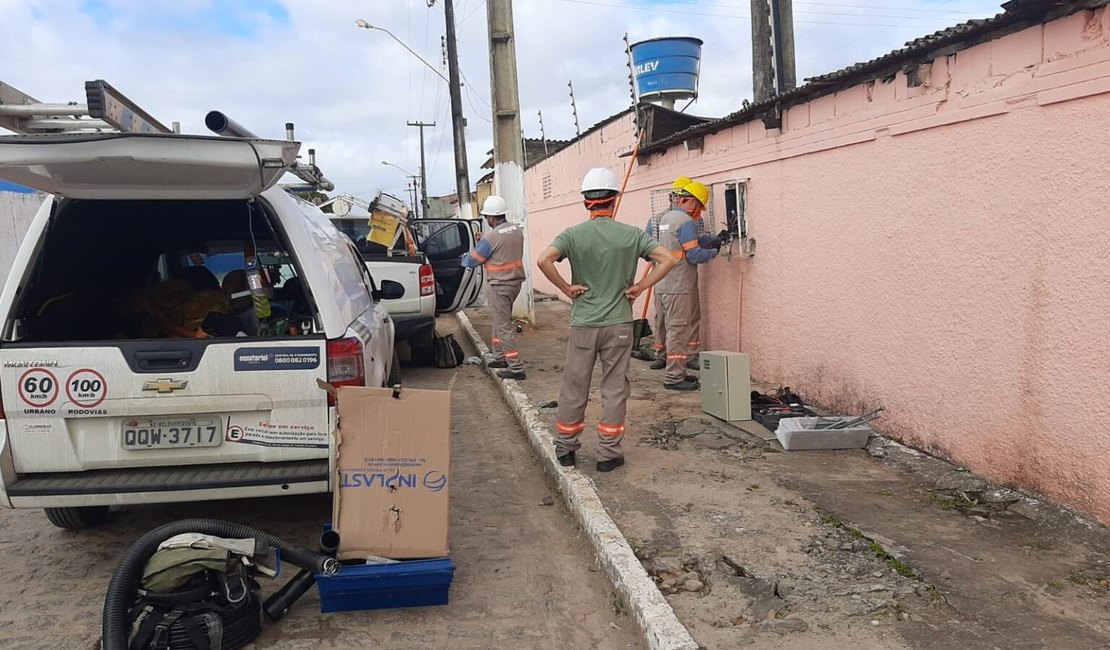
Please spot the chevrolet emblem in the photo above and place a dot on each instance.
(164, 386)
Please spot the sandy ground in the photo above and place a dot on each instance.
(836, 549)
(525, 577)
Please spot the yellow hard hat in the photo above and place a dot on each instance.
(698, 191)
(680, 183)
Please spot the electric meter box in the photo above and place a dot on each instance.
(726, 385)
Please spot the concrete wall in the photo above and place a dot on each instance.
(942, 250)
(16, 212)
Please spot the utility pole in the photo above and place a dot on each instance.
(773, 69)
(458, 122)
(423, 173)
(508, 145)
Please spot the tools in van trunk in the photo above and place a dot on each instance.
(256, 282)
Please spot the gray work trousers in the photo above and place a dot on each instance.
(613, 345)
(501, 298)
(678, 310)
(660, 325)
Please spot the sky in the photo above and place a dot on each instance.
(351, 91)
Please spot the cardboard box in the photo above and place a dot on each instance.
(393, 465)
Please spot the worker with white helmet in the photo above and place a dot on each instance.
(501, 252)
(603, 256)
(678, 292)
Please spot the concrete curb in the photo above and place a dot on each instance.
(658, 623)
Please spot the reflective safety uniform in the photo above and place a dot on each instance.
(677, 308)
(501, 252)
(603, 256)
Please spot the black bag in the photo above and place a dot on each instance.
(199, 617)
(446, 351)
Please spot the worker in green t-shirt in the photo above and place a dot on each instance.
(603, 256)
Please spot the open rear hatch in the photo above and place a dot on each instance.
(116, 412)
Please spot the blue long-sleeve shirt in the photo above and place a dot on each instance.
(479, 255)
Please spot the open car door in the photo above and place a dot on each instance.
(444, 242)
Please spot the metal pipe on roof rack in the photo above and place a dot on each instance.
(44, 109)
(67, 123)
(221, 124)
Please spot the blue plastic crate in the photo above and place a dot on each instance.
(415, 583)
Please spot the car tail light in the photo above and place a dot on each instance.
(427, 280)
(345, 364)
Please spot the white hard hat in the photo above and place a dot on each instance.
(494, 206)
(601, 180)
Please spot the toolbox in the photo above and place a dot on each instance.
(412, 583)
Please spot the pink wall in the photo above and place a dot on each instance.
(942, 250)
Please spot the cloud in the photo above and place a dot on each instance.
(350, 91)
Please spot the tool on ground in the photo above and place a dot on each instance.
(840, 423)
(279, 603)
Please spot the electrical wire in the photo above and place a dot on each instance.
(473, 11)
(687, 12)
(865, 37)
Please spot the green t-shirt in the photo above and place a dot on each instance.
(603, 255)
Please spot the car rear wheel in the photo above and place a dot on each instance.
(77, 518)
(394, 371)
(422, 352)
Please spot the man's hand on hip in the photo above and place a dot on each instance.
(574, 291)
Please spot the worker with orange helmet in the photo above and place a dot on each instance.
(677, 305)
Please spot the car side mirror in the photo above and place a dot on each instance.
(390, 290)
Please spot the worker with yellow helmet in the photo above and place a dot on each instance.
(677, 305)
(659, 326)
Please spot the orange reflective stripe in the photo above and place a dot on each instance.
(512, 354)
(508, 266)
(676, 356)
(610, 429)
(659, 346)
(475, 255)
(695, 343)
(497, 340)
(693, 243)
(570, 429)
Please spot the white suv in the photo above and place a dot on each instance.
(165, 324)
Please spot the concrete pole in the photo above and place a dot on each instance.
(458, 122)
(782, 25)
(763, 66)
(508, 147)
(423, 171)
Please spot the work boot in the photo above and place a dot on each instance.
(499, 363)
(693, 363)
(509, 374)
(687, 384)
(568, 459)
(659, 364)
(640, 354)
(609, 465)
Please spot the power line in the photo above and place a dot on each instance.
(473, 11)
(687, 12)
(859, 40)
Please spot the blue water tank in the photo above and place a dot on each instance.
(667, 68)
